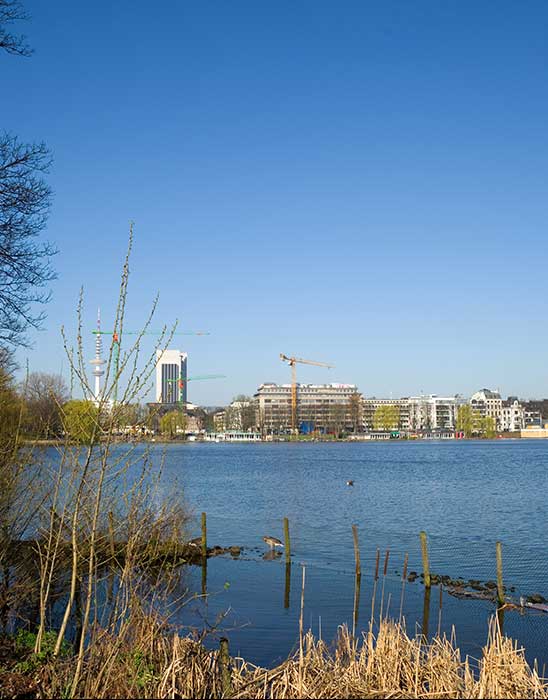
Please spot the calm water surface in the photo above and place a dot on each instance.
(466, 495)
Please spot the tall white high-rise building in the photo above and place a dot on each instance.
(171, 376)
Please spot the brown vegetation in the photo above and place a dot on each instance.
(145, 659)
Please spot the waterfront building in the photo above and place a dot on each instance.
(489, 404)
(233, 436)
(536, 411)
(512, 416)
(370, 406)
(433, 413)
(171, 368)
(219, 423)
(322, 408)
(535, 431)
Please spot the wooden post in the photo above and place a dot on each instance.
(224, 658)
(204, 536)
(425, 564)
(287, 545)
(500, 587)
(356, 550)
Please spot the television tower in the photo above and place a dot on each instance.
(98, 361)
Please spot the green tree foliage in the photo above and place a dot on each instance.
(471, 423)
(467, 419)
(488, 427)
(173, 424)
(11, 417)
(81, 421)
(387, 418)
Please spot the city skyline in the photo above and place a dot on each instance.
(362, 187)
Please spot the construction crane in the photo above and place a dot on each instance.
(292, 361)
(116, 346)
(181, 383)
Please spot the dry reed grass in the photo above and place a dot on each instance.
(146, 660)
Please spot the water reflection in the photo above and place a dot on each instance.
(271, 555)
(287, 589)
(426, 611)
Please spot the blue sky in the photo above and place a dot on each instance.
(360, 183)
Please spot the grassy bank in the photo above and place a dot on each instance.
(147, 660)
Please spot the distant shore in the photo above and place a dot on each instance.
(174, 441)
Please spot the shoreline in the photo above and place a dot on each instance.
(164, 441)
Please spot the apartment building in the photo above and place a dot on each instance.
(512, 415)
(323, 408)
(370, 406)
(433, 412)
(488, 403)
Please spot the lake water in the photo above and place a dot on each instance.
(466, 495)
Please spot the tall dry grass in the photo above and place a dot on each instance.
(146, 660)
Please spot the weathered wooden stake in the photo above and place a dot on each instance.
(425, 564)
(287, 545)
(356, 550)
(500, 586)
(204, 536)
(226, 676)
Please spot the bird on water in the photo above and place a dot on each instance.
(272, 541)
(350, 482)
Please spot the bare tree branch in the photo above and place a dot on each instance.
(12, 11)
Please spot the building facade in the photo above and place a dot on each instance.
(321, 408)
(489, 404)
(371, 405)
(171, 369)
(512, 415)
(433, 413)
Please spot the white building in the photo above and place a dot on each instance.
(171, 376)
(512, 416)
(488, 403)
(433, 412)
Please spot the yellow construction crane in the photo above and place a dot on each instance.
(292, 361)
